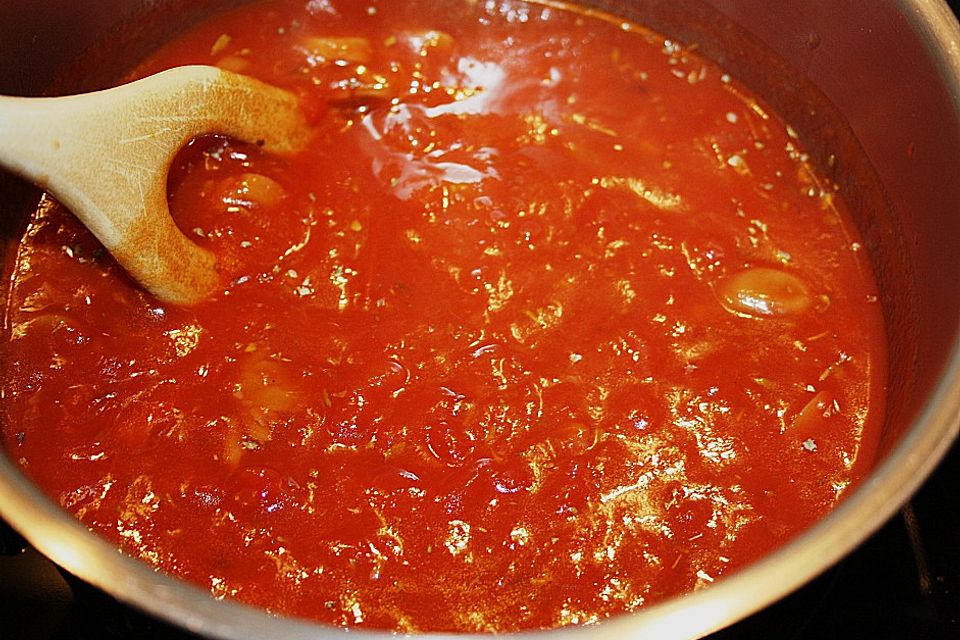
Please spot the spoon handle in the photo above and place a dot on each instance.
(105, 155)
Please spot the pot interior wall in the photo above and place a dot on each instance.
(52, 47)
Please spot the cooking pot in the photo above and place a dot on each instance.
(873, 87)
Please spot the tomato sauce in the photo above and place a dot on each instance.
(554, 320)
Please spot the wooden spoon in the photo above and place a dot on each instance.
(106, 155)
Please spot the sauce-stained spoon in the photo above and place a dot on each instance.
(106, 155)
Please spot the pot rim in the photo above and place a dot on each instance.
(57, 535)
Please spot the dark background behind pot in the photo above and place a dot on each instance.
(904, 582)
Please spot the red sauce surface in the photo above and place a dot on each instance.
(553, 320)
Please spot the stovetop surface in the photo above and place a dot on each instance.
(902, 583)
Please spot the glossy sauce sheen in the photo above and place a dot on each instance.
(554, 320)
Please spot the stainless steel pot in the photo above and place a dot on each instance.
(888, 70)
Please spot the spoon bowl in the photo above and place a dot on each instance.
(105, 155)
